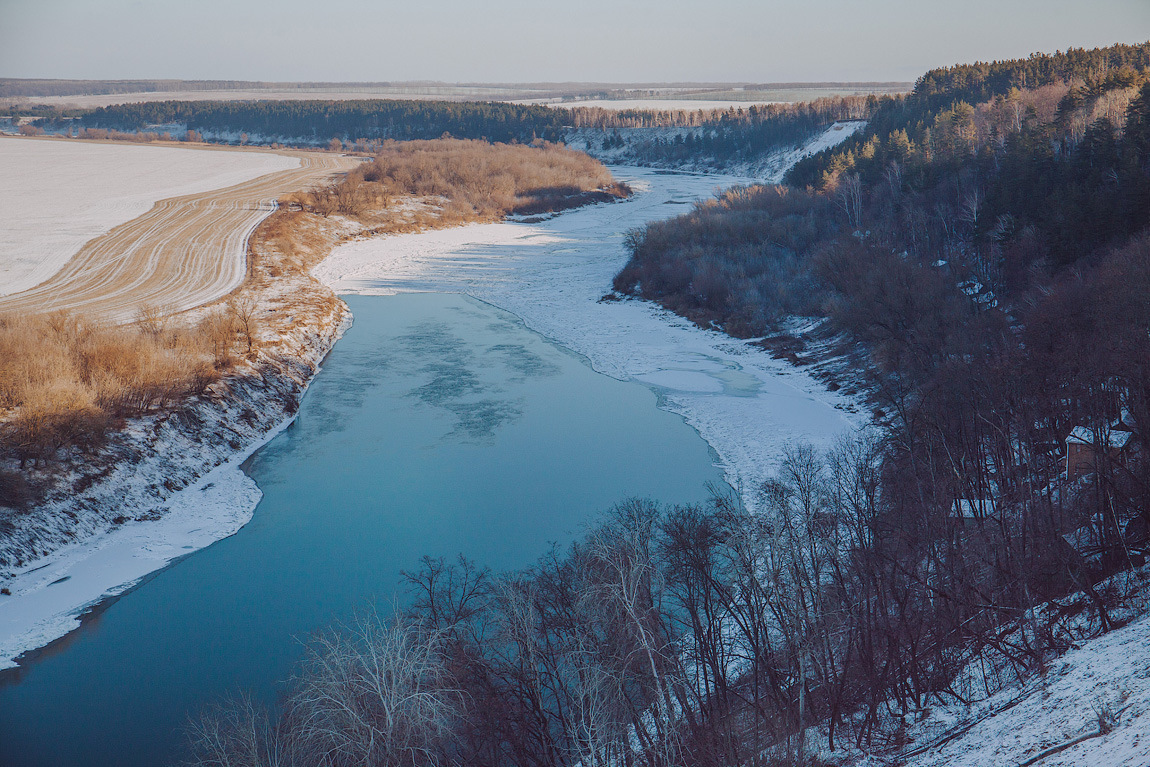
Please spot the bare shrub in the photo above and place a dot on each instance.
(481, 181)
(152, 319)
(375, 695)
(51, 417)
(218, 332)
(243, 311)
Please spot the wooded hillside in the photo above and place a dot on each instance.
(980, 257)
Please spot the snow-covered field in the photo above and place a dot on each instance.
(58, 195)
(689, 105)
(745, 404)
(351, 92)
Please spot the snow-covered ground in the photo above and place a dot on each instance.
(1110, 673)
(412, 92)
(57, 195)
(48, 600)
(663, 105)
(745, 404)
(177, 488)
(1102, 678)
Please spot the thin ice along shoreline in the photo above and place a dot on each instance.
(744, 404)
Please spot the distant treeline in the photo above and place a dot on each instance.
(718, 137)
(346, 120)
(12, 87)
(983, 81)
(825, 110)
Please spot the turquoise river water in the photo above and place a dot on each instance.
(439, 425)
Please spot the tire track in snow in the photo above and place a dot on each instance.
(185, 252)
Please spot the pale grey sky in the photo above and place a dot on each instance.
(543, 40)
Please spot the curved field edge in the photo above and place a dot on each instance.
(184, 252)
(60, 194)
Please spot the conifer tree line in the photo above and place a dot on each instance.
(319, 121)
(720, 135)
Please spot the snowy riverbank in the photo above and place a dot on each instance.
(171, 484)
(174, 486)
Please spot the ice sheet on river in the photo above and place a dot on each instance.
(552, 274)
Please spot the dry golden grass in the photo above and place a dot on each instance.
(183, 253)
(64, 382)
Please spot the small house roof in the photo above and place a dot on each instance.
(1085, 436)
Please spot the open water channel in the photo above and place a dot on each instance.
(439, 425)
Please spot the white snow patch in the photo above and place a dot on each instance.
(658, 105)
(58, 195)
(51, 596)
(745, 404)
(1110, 672)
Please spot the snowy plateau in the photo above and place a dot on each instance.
(57, 195)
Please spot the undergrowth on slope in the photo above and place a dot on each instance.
(65, 381)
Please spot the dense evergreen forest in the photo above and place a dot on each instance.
(1006, 192)
(347, 120)
(717, 137)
